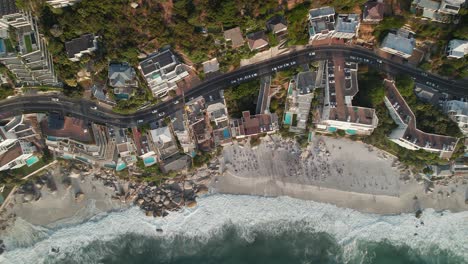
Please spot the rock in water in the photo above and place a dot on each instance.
(79, 196)
(191, 204)
(418, 213)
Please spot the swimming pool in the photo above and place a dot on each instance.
(287, 119)
(31, 160)
(121, 166)
(2, 46)
(149, 160)
(226, 133)
(332, 129)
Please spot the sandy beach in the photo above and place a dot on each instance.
(68, 197)
(338, 171)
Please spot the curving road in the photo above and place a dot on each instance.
(82, 108)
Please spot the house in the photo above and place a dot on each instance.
(164, 142)
(162, 71)
(299, 98)
(439, 11)
(30, 60)
(457, 48)
(347, 26)
(177, 162)
(234, 35)
(77, 47)
(427, 94)
(458, 112)
(441, 170)
(218, 115)
(257, 40)
(254, 125)
(400, 43)
(321, 22)
(122, 78)
(182, 132)
(338, 111)
(211, 66)
(373, 12)
(101, 96)
(199, 123)
(62, 3)
(407, 134)
(278, 26)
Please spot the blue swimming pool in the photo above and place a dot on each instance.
(226, 133)
(31, 160)
(149, 160)
(287, 119)
(332, 129)
(2, 46)
(121, 166)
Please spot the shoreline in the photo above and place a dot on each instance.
(324, 172)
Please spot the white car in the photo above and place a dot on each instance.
(176, 102)
(55, 99)
(154, 111)
(161, 114)
(93, 108)
(140, 121)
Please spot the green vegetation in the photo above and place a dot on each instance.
(297, 24)
(242, 97)
(8, 45)
(388, 23)
(27, 42)
(428, 118)
(371, 93)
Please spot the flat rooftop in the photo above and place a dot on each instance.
(412, 134)
(73, 128)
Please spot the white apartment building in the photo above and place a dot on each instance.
(321, 22)
(162, 71)
(26, 56)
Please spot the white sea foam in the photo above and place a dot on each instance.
(447, 231)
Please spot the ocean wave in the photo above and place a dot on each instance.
(250, 215)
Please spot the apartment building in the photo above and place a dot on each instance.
(219, 118)
(16, 150)
(407, 134)
(23, 49)
(199, 123)
(72, 138)
(76, 48)
(162, 71)
(321, 23)
(182, 132)
(251, 125)
(299, 98)
(338, 112)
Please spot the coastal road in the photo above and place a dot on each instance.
(301, 55)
